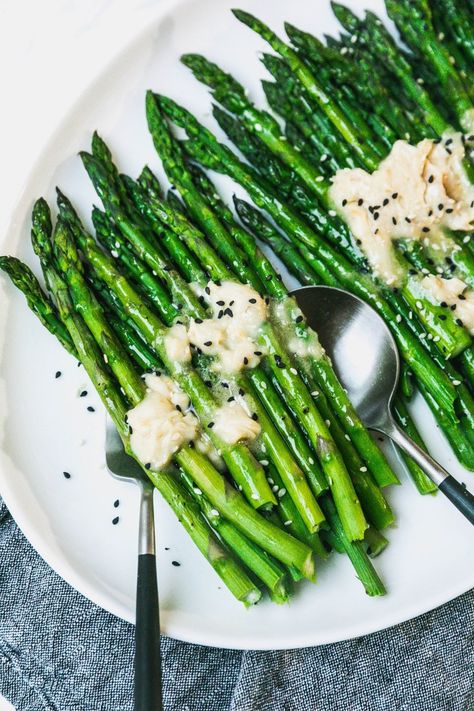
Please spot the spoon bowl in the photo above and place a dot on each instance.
(365, 357)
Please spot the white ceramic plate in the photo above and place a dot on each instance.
(46, 428)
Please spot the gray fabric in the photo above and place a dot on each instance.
(59, 652)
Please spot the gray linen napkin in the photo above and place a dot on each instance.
(59, 652)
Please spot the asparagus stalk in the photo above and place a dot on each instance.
(26, 282)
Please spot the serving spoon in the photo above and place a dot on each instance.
(147, 677)
(365, 357)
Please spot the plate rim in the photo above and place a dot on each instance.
(59, 563)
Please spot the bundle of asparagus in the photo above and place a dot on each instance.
(302, 476)
(333, 120)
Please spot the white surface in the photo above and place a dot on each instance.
(45, 426)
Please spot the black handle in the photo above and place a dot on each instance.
(459, 496)
(147, 638)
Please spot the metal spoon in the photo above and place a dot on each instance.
(147, 681)
(365, 357)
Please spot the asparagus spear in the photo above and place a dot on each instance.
(26, 282)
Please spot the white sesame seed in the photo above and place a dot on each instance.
(347, 437)
(320, 178)
(294, 371)
(436, 339)
(258, 126)
(275, 488)
(419, 305)
(114, 253)
(422, 336)
(328, 423)
(311, 460)
(398, 318)
(264, 462)
(288, 523)
(323, 157)
(215, 512)
(281, 493)
(315, 393)
(456, 382)
(466, 239)
(332, 213)
(363, 469)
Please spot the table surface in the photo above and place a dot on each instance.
(48, 71)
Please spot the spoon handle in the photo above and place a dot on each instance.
(147, 683)
(451, 488)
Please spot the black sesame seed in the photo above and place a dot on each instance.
(305, 410)
(66, 475)
(448, 142)
(442, 317)
(225, 385)
(208, 383)
(267, 300)
(218, 282)
(459, 322)
(130, 429)
(258, 353)
(91, 409)
(166, 548)
(449, 151)
(360, 202)
(461, 297)
(394, 196)
(376, 215)
(115, 520)
(385, 202)
(175, 563)
(210, 425)
(412, 272)
(83, 393)
(246, 360)
(299, 318)
(440, 206)
(232, 302)
(58, 374)
(207, 290)
(449, 210)
(431, 179)
(148, 465)
(231, 399)
(221, 302)
(241, 392)
(220, 314)
(344, 202)
(407, 219)
(254, 416)
(253, 301)
(116, 504)
(394, 220)
(444, 304)
(229, 312)
(453, 307)
(430, 213)
(208, 343)
(425, 229)
(178, 407)
(198, 320)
